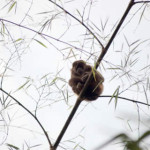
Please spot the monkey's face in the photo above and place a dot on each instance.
(78, 67)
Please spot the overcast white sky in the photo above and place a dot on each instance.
(98, 121)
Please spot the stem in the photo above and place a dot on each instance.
(67, 124)
(131, 3)
(127, 99)
(138, 2)
(42, 34)
(81, 22)
(48, 139)
(104, 51)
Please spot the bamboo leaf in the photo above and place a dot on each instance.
(20, 39)
(22, 86)
(147, 133)
(11, 7)
(12, 146)
(93, 72)
(116, 97)
(115, 94)
(40, 43)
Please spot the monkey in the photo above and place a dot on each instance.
(79, 74)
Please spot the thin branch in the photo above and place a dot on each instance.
(127, 99)
(27, 12)
(81, 22)
(141, 2)
(66, 124)
(115, 33)
(104, 51)
(40, 33)
(48, 139)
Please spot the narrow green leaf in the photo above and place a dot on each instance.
(3, 28)
(22, 86)
(40, 43)
(114, 94)
(12, 146)
(116, 97)
(20, 39)
(147, 133)
(11, 7)
(93, 71)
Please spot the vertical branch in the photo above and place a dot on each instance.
(104, 51)
(131, 3)
(66, 124)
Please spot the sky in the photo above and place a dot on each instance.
(95, 122)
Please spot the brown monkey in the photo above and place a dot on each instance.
(79, 74)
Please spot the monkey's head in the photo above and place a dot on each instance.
(78, 67)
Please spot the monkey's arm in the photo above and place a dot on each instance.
(74, 81)
(76, 84)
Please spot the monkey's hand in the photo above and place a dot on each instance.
(85, 77)
(77, 89)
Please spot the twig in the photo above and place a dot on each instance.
(48, 139)
(42, 34)
(141, 2)
(81, 22)
(127, 99)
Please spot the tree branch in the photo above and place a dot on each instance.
(48, 139)
(42, 34)
(82, 23)
(141, 2)
(66, 124)
(104, 51)
(127, 99)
